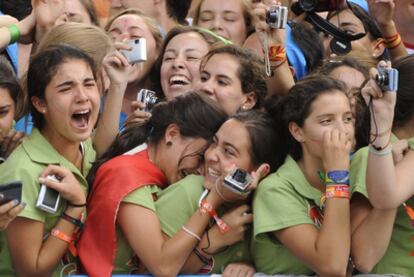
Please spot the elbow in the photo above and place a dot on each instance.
(364, 266)
(164, 272)
(338, 270)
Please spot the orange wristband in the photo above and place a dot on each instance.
(337, 191)
(277, 53)
(206, 208)
(60, 235)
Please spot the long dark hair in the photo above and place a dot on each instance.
(404, 108)
(296, 107)
(44, 66)
(195, 115)
(265, 141)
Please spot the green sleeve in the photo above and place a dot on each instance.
(177, 203)
(142, 196)
(358, 172)
(277, 205)
(17, 169)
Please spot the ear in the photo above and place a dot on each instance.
(378, 47)
(39, 104)
(172, 133)
(249, 101)
(296, 132)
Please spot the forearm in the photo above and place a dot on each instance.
(281, 81)
(108, 125)
(41, 262)
(389, 30)
(332, 246)
(370, 239)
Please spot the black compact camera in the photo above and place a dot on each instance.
(387, 79)
(147, 97)
(238, 180)
(276, 17)
(321, 5)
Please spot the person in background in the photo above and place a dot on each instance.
(232, 19)
(167, 13)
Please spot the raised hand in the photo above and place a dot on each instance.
(336, 146)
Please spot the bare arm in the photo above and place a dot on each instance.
(371, 233)
(117, 68)
(388, 186)
(31, 255)
(383, 12)
(161, 257)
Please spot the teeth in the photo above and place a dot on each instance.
(179, 78)
(213, 172)
(82, 112)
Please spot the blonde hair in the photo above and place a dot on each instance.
(151, 23)
(88, 38)
(247, 15)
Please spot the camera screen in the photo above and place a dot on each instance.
(50, 199)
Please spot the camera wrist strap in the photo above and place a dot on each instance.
(266, 54)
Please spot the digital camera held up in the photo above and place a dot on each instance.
(387, 79)
(276, 17)
(147, 97)
(238, 180)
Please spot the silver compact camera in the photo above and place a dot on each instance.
(147, 97)
(48, 199)
(276, 17)
(138, 52)
(238, 180)
(387, 79)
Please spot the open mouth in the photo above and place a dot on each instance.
(80, 119)
(178, 81)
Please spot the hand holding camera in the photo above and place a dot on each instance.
(238, 183)
(138, 52)
(380, 96)
(65, 186)
(149, 98)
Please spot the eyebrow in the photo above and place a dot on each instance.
(71, 83)
(232, 146)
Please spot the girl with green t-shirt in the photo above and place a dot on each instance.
(391, 186)
(247, 140)
(64, 102)
(291, 234)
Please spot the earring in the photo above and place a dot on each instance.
(169, 143)
(244, 108)
(44, 110)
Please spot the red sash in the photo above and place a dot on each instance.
(114, 180)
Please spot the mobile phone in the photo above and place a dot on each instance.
(48, 199)
(138, 52)
(10, 191)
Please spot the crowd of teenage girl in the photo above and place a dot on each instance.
(328, 149)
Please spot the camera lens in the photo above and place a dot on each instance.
(271, 16)
(381, 79)
(308, 5)
(240, 175)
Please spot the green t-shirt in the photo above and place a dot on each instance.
(126, 262)
(26, 164)
(284, 199)
(177, 204)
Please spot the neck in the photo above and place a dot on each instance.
(405, 131)
(154, 150)
(311, 167)
(68, 149)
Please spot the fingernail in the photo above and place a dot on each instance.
(41, 179)
(1, 196)
(24, 205)
(15, 202)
